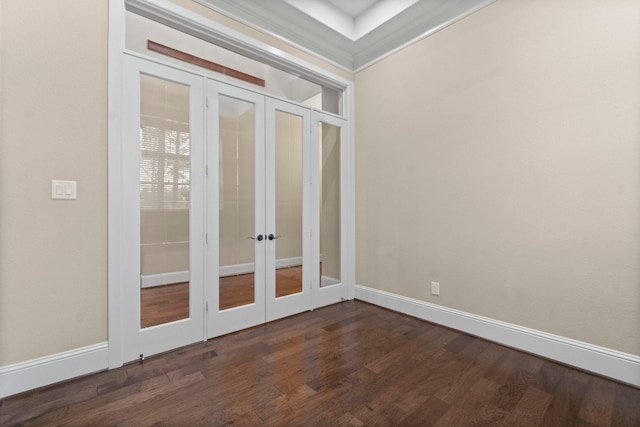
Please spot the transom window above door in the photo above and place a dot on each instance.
(279, 83)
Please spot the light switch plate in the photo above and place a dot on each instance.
(65, 190)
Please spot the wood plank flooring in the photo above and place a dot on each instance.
(348, 364)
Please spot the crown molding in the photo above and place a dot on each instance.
(280, 19)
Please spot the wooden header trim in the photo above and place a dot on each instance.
(192, 59)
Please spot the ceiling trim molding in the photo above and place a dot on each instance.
(290, 25)
(372, 51)
(279, 19)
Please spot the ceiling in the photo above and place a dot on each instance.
(349, 33)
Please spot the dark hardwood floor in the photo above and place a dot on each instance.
(347, 364)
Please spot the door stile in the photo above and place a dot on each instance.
(222, 320)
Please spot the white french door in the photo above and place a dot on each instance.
(234, 208)
(259, 198)
(236, 250)
(162, 164)
(329, 208)
(288, 209)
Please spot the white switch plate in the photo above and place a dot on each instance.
(65, 190)
(435, 288)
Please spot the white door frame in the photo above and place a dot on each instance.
(183, 19)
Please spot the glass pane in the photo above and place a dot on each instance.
(164, 201)
(236, 204)
(329, 205)
(288, 204)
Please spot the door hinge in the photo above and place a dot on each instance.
(206, 306)
(206, 238)
(206, 170)
(206, 101)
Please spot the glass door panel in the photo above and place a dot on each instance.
(329, 181)
(236, 168)
(288, 193)
(164, 200)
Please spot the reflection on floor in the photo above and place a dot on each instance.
(162, 304)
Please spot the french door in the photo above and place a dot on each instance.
(329, 189)
(163, 171)
(259, 204)
(234, 209)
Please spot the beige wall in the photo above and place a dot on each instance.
(501, 157)
(53, 254)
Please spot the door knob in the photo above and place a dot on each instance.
(272, 237)
(259, 238)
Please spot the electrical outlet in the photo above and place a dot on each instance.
(435, 288)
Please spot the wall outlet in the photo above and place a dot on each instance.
(435, 288)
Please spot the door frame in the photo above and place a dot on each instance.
(278, 307)
(182, 19)
(166, 336)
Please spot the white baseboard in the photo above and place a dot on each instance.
(151, 280)
(232, 270)
(47, 370)
(610, 363)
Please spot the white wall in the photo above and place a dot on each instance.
(501, 157)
